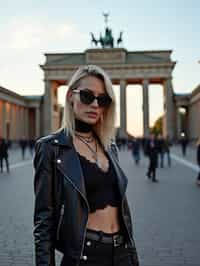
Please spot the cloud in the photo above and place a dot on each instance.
(24, 40)
(31, 33)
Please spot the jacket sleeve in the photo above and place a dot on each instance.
(132, 250)
(44, 229)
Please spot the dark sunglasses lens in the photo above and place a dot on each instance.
(86, 97)
(104, 101)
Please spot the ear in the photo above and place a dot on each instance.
(69, 96)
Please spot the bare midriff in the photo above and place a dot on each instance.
(106, 220)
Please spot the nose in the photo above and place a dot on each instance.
(95, 103)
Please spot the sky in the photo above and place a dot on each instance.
(31, 28)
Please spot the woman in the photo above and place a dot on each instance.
(80, 203)
(198, 160)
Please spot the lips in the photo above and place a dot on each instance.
(92, 114)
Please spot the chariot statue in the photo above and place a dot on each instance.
(106, 41)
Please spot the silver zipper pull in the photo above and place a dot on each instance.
(62, 209)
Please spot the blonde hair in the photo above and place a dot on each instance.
(105, 127)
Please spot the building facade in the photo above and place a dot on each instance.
(19, 115)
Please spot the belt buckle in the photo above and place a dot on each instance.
(115, 243)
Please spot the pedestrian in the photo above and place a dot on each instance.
(198, 161)
(31, 145)
(4, 154)
(167, 145)
(152, 153)
(81, 207)
(23, 146)
(160, 147)
(136, 150)
(184, 144)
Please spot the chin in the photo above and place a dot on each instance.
(91, 121)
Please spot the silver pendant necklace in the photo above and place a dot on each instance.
(94, 152)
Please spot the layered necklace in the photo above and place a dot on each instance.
(83, 127)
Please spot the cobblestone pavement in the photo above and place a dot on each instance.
(190, 152)
(166, 214)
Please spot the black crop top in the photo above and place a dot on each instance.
(101, 187)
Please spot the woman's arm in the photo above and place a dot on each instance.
(44, 230)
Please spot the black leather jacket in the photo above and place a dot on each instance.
(61, 207)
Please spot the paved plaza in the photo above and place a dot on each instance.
(166, 214)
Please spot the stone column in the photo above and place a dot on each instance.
(37, 122)
(178, 123)
(55, 117)
(11, 121)
(145, 85)
(26, 119)
(22, 115)
(3, 119)
(168, 125)
(48, 109)
(14, 122)
(123, 132)
(18, 136)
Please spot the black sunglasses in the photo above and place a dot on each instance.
(87, 97)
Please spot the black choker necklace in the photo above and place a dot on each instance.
(81, 126)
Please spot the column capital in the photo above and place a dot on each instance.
(123, 82)
(167, 81)
(145, 81)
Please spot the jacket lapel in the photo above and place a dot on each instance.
(68, 162)
(71, 169)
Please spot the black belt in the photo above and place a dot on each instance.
(115, 239)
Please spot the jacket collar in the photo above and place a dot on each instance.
(61, 138)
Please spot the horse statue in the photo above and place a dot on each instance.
(94, 40)
(107, 41)
(101, 41)
(119, 40)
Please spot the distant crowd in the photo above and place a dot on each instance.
(5, 145)
(156, 148)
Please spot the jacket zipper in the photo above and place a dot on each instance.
(87, 213)
(60, 220)
(84, 234)
(124, 220)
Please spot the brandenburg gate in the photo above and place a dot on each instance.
(124, 68)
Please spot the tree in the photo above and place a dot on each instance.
(157, 127)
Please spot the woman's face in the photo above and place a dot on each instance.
(89, 113)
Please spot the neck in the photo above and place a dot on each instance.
(83, 128)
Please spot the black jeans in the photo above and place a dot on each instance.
(96, 253)
(152, 170)
(7, 164)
